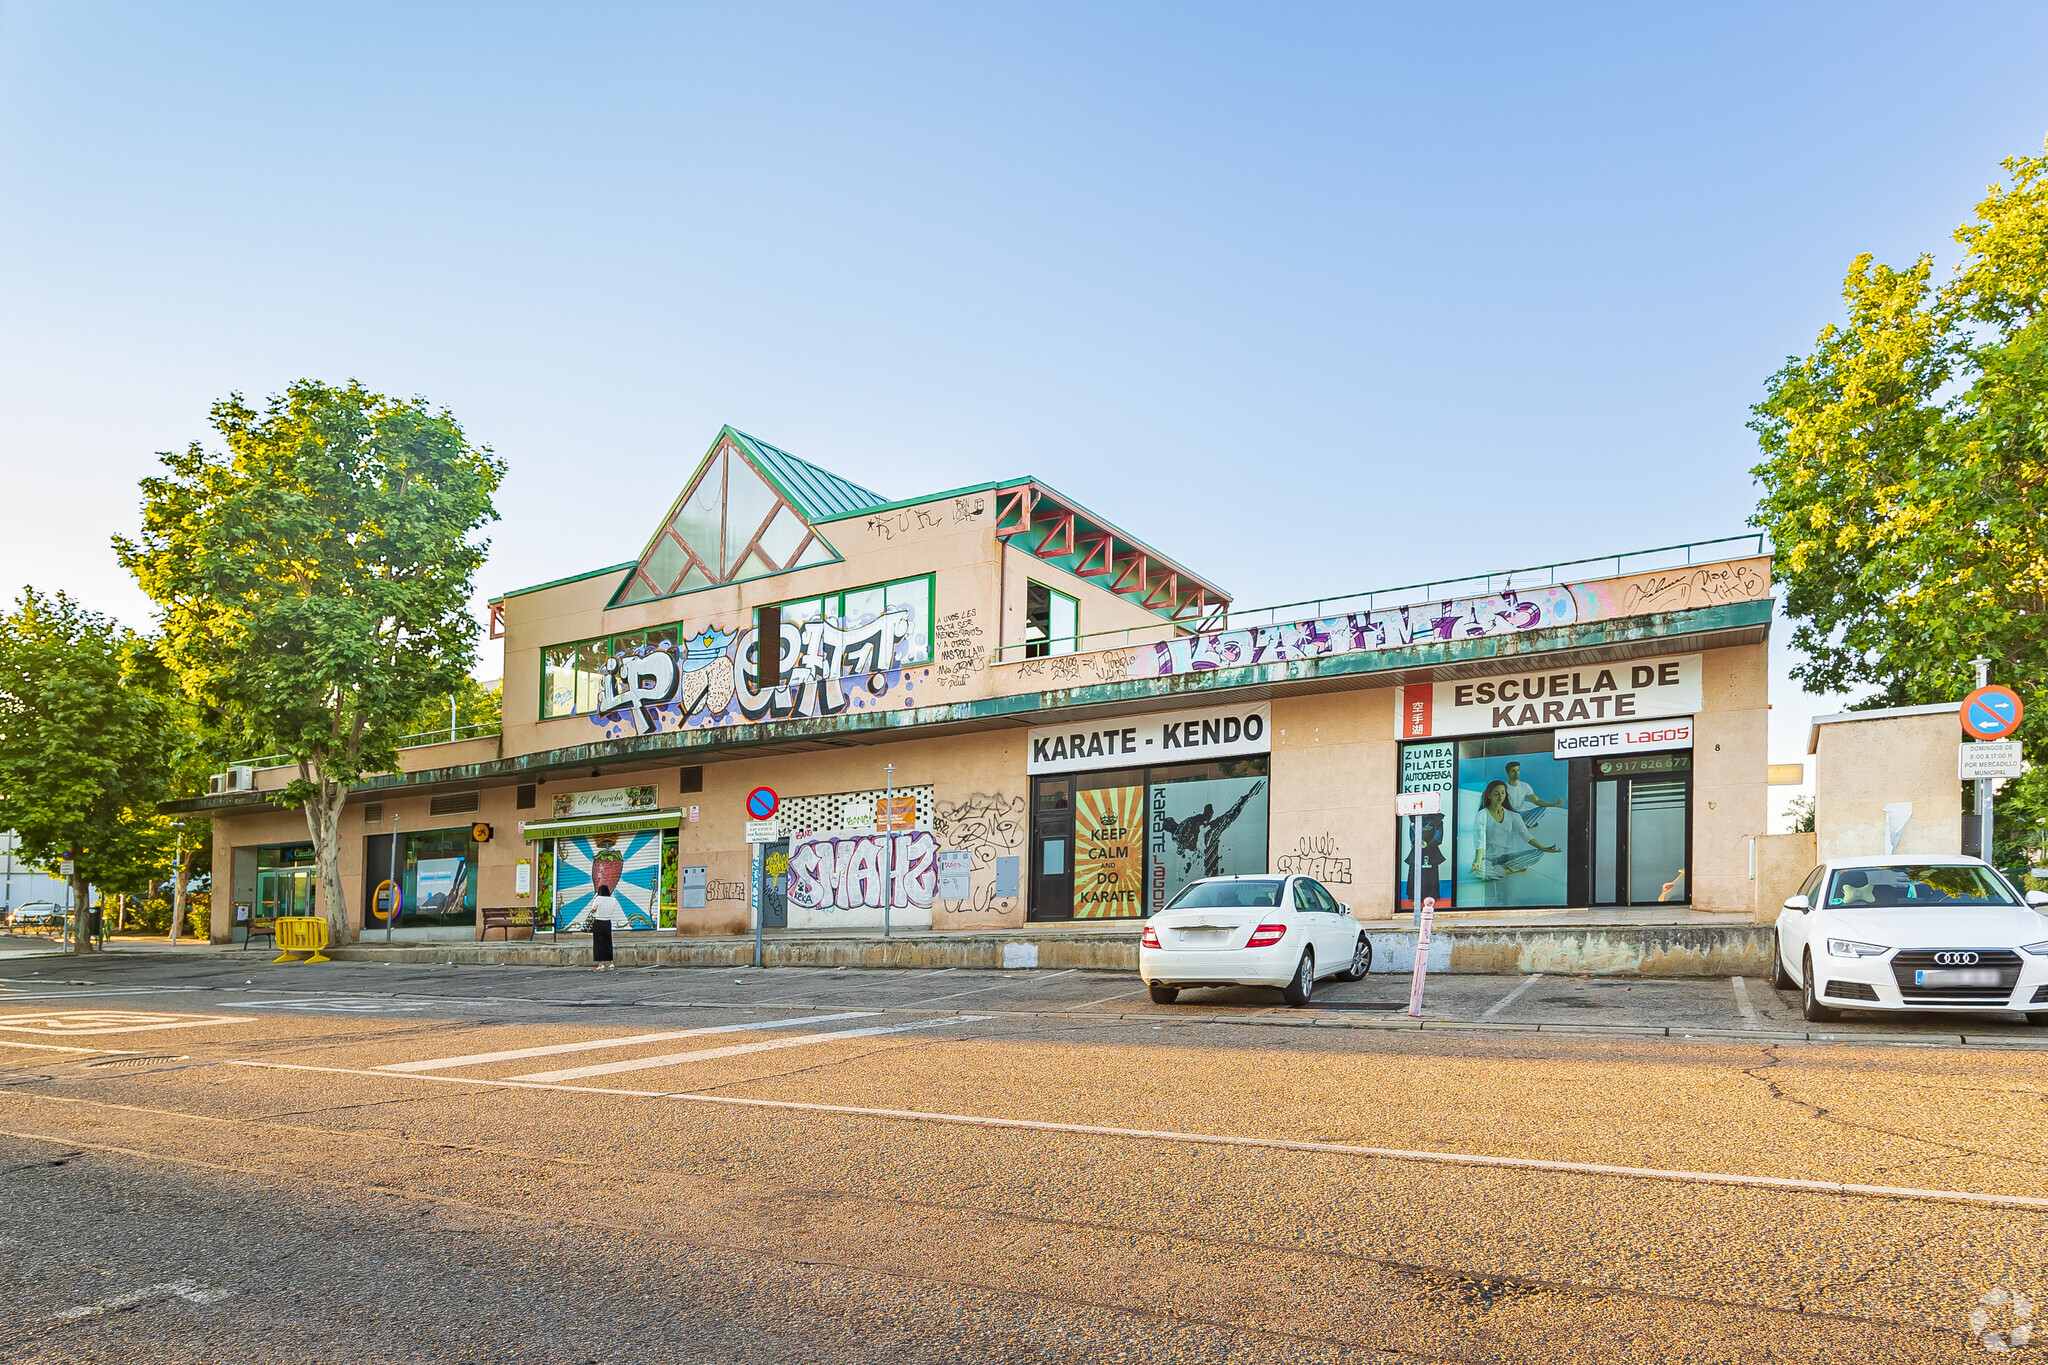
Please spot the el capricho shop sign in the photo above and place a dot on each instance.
(1629, 690)
(1165, 737)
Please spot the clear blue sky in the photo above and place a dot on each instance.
(1315, 299)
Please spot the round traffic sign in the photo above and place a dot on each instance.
(1992, 712)
(761, 802)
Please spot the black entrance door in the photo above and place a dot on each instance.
(1052, 849)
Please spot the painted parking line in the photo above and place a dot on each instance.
(79, 1022)
(1749, 1017)
(1789, 1184)
(951, 995)
(590, 1045)
(1120, 995)
(191, 1291)
(707, 1054)
(359, 1004)
(1510, 998)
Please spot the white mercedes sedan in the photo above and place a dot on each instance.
(1288, 932)
(1927, 932)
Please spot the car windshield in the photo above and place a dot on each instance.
(1260, 894)
(1916, 887)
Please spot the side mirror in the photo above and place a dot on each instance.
(1343, 909)
(2037, 899)
(1798, 903)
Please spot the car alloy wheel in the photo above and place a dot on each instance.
(1361, 959)
(1303, 986)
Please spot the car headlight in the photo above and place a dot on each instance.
(2037, 949)
(1849, 947)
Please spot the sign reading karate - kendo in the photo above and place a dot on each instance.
(1162, 737)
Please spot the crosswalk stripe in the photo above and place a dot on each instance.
(678, 1058)
(590, 1045)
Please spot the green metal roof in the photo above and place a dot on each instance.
(818, 493)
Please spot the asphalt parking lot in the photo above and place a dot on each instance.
(235, 1160)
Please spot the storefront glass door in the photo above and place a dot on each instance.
(1641, 830)
(284, 891)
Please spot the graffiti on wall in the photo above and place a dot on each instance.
(1317, 856)
(828, 669)
(1509, 612)
(846, 869)
(959, 650)
(987, 824)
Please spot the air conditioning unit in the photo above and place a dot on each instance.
(233, 780)
(216, 784)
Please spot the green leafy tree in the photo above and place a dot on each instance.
(472, 708)
(1905, 477)
(313, 582)
(86, 736)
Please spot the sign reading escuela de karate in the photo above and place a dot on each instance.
(1631, 689)
(1164, 737)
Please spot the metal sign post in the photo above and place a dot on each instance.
(391, 906)
(1989, 713)
(760, 865)
(1416, 805)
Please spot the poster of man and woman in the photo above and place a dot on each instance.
(1501, 839)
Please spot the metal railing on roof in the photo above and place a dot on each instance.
(425, 737)
(1679, 556)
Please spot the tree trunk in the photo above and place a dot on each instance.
(323, 820)
(81, 898)
(178, 879)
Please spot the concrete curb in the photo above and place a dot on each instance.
(1565, 950)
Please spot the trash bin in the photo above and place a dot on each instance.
(600, 940)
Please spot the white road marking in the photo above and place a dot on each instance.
(58, 1047)
(78, 1022)
(1749, 1019)
(95, 994)
(1120, 995)
(556, 1049)
(707, 1054)
(192, 1291)
(1510, 998)
(975, 990)
(1041, 980)
(1769, 1182)
(357, 1004)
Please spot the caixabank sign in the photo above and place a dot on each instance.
(1631, 690)
(1165, 737)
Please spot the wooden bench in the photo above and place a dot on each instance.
(260, 928)
(510, 917)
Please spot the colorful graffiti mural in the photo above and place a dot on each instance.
(616, 876)
(1508, 612)
(842, 869)
(828, 669)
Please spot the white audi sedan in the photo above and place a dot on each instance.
(1928, 932)
(1252, 931)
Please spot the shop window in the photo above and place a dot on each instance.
(1513, 809)
(1431, 766)
(1204, 820)
(1052, 621)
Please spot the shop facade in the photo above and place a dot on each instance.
(990, 708)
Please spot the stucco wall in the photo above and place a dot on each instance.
(1731, 759)
(1782, 862)
(1334, 760)
(1863, 764)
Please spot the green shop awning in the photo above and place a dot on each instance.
(603, 824)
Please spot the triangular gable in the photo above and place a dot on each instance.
(734, 521)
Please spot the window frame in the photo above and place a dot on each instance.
(1049, 646)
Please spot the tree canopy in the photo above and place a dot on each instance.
(313, 580)
(87, 739)
(1906, 473)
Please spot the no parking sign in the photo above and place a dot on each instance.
(762, 803)
(1992, 712)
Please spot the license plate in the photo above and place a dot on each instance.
(1956, 976)
(1203, 938)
